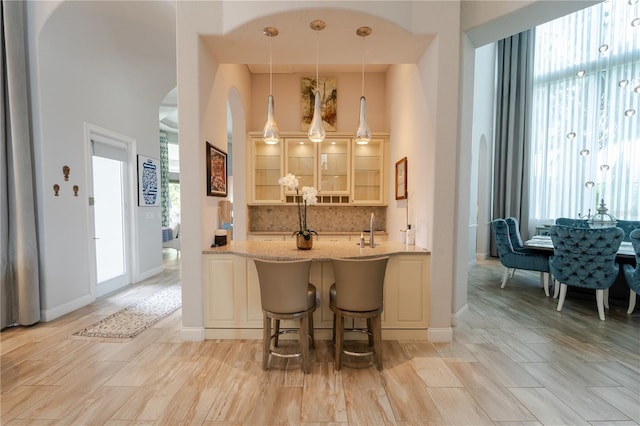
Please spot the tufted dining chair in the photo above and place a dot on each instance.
(573, 223)
(631, 274)
(585, 257)
(512, 259)
(514, 234)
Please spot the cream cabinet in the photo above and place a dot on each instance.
(266, 169)
(325, 166)
(369, 174)
(232, 307)
(342, 171)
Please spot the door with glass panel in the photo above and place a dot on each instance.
(110, 207)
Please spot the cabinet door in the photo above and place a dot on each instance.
(368, 173)
(267, 169)
(333, 166)
(300, 160)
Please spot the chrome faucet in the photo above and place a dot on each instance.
(372, 243)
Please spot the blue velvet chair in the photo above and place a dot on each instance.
(628, 226)
(514, 234)
(631, 274)
(573, 223)
(512, 259)
(585, 257)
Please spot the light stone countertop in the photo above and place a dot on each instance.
(321, 251)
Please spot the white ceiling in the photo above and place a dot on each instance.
(340, 49)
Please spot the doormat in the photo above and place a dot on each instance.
(136, 318)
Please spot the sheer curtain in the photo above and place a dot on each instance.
(19, 267)
(586, 123)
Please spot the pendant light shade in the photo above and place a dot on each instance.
(270, 133)
(363, 134)
(316, 128)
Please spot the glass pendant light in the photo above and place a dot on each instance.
(270, 134)
(316, 128)
(363, 134)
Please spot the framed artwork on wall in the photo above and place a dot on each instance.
(401, 179)
(329, 101)
(216, 172)
(148, 181)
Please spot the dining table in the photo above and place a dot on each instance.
(544, 243)
(619, 292)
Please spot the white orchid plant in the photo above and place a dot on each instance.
(309, 197)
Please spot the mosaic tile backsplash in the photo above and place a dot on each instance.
(319, 218)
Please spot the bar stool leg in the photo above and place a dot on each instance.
(304, 341)
(377, 341)
(276, 332)
(370, 331)
(311, 332)
(266, 340)
(339, 340)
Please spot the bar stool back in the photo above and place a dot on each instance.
(286, 293)
(358, 293)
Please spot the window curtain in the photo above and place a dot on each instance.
(512, 138)
(165, 198)
(20, 290)
(586, 123)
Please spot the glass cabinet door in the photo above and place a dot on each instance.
(267, 170)
(333, 166)
(300, 160)
(368, 173)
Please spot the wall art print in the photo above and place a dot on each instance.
(216, 172)
(329, 101)
(148, 181)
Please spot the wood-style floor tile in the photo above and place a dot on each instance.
(579, 398)
(514, 360)
(458, 407)
(495, 400)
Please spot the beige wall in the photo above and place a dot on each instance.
(286, 93)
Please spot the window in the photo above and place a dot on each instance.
(585, 114)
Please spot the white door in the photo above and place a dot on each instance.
(110, 207)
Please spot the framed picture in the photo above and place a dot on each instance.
(148, 181)
(401, 179)
(328, 100)
(216, 172)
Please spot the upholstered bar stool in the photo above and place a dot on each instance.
(358, 293)
(285, 294)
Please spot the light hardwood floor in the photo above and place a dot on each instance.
(514, 360)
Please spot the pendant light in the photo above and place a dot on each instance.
(316, 128)
(363, 134)
(270, 134)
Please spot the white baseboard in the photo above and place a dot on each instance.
(472, 263)
(444, 334)
(192, 334)
(149, 273)
(51, 314)
(457, 316)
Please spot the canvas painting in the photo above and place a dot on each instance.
(216, 172)
(329, 102)
(148, 181)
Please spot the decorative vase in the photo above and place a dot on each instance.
(304, 244)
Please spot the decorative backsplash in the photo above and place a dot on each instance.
(319, 218)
